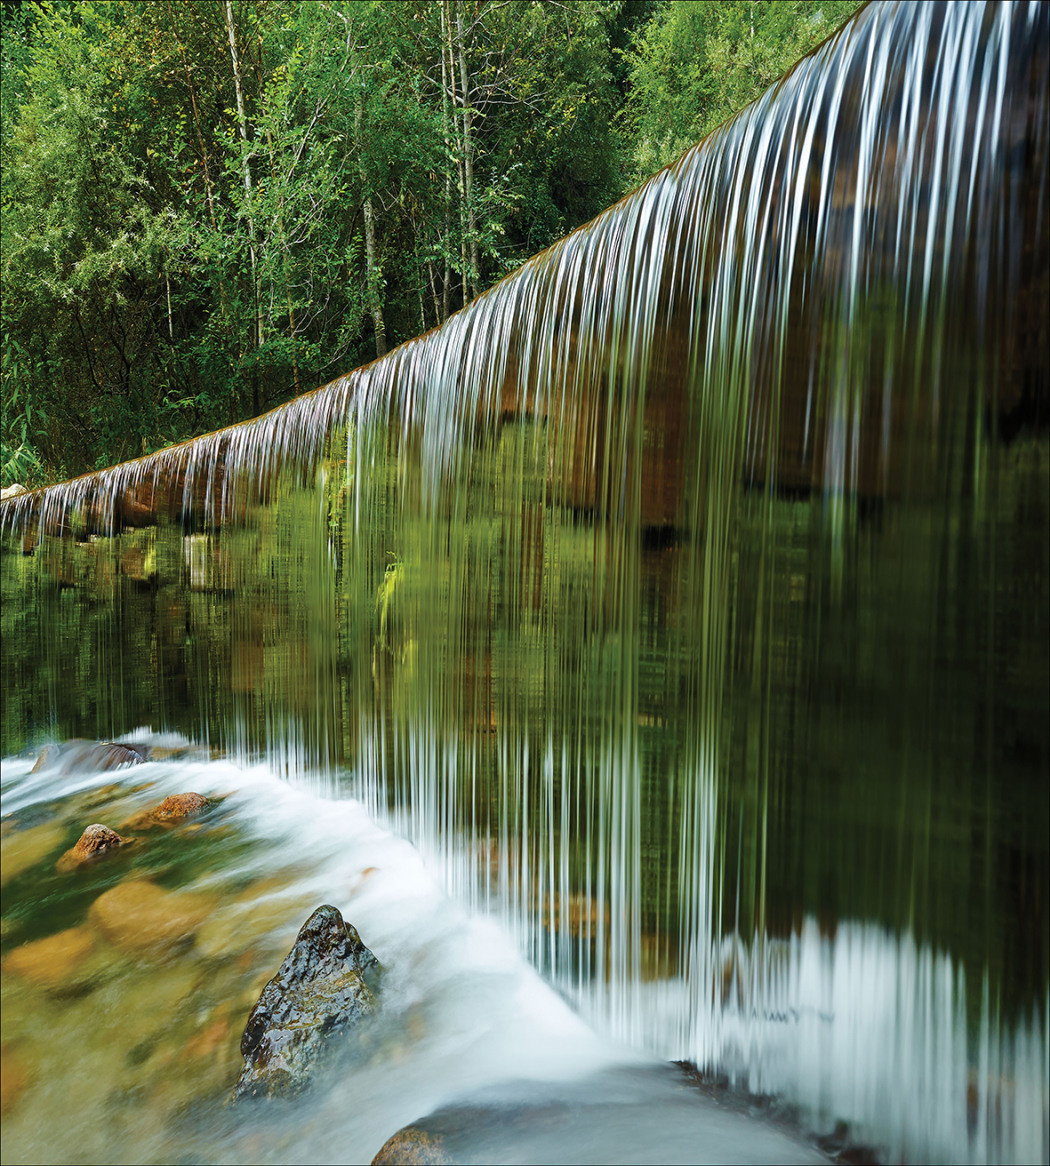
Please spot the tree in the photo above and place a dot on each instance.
(697, 62)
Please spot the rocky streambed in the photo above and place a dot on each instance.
(201, 962)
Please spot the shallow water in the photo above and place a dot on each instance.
(138, 1049)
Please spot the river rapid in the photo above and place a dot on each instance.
(119, 1050)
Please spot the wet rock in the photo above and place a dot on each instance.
(411, 1146)
(306, 1011)
(54, 962)
(141, 917)
(104, 755)
(181, 806)
(48, 756)
(12, 491)
(173, 809)
(466, 1133)
(96, 841)
(23, 849)
(91, 756)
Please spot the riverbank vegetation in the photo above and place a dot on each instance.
(213, 205)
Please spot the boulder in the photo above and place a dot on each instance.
(412, 1146)
(12, 491)
(143, 918)
(76, 756)
(171, 810)
(307, 1011)
(56, 961)
(181, 806)
(96, 841)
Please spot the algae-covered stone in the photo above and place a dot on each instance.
(308, 1009)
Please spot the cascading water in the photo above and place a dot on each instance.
(685, 599)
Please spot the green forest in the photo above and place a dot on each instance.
(210, 206)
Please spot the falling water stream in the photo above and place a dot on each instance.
(675, 617)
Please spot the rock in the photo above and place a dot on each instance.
(181, 806)
(12, 491)
(141, 917)
(53, 962)
(306, 1011)
(48, 756)
(96, 841)
(102, 756)
(411, 1146)
(76, 756)
(23, 849)
(171, 810)
(14, 1077)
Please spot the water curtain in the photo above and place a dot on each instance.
(684, 598)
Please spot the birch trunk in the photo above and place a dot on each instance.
(468, 148)
(375, 300)
(242, 121)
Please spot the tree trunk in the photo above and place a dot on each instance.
(242, 121)
(468, 149)
(457, 130)
(447, 280)
(372, 272)
(196, 118)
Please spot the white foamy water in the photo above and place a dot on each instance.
(464, 1019)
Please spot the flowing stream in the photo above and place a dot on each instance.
(683, 606)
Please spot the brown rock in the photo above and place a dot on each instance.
(96, 841)
(171, 810)
(14, 1077)
(181, 806)
(141, 917)
(54, 961)
(47, 755)
(412, 1146)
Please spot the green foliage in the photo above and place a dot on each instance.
(186, 244)
(697, 62)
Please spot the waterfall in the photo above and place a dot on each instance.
(685, 598)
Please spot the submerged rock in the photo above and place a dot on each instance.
(23, 849)
(141, 917)
(53, 962)
(14, 1077)
(96, 841)
(307, 1009)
